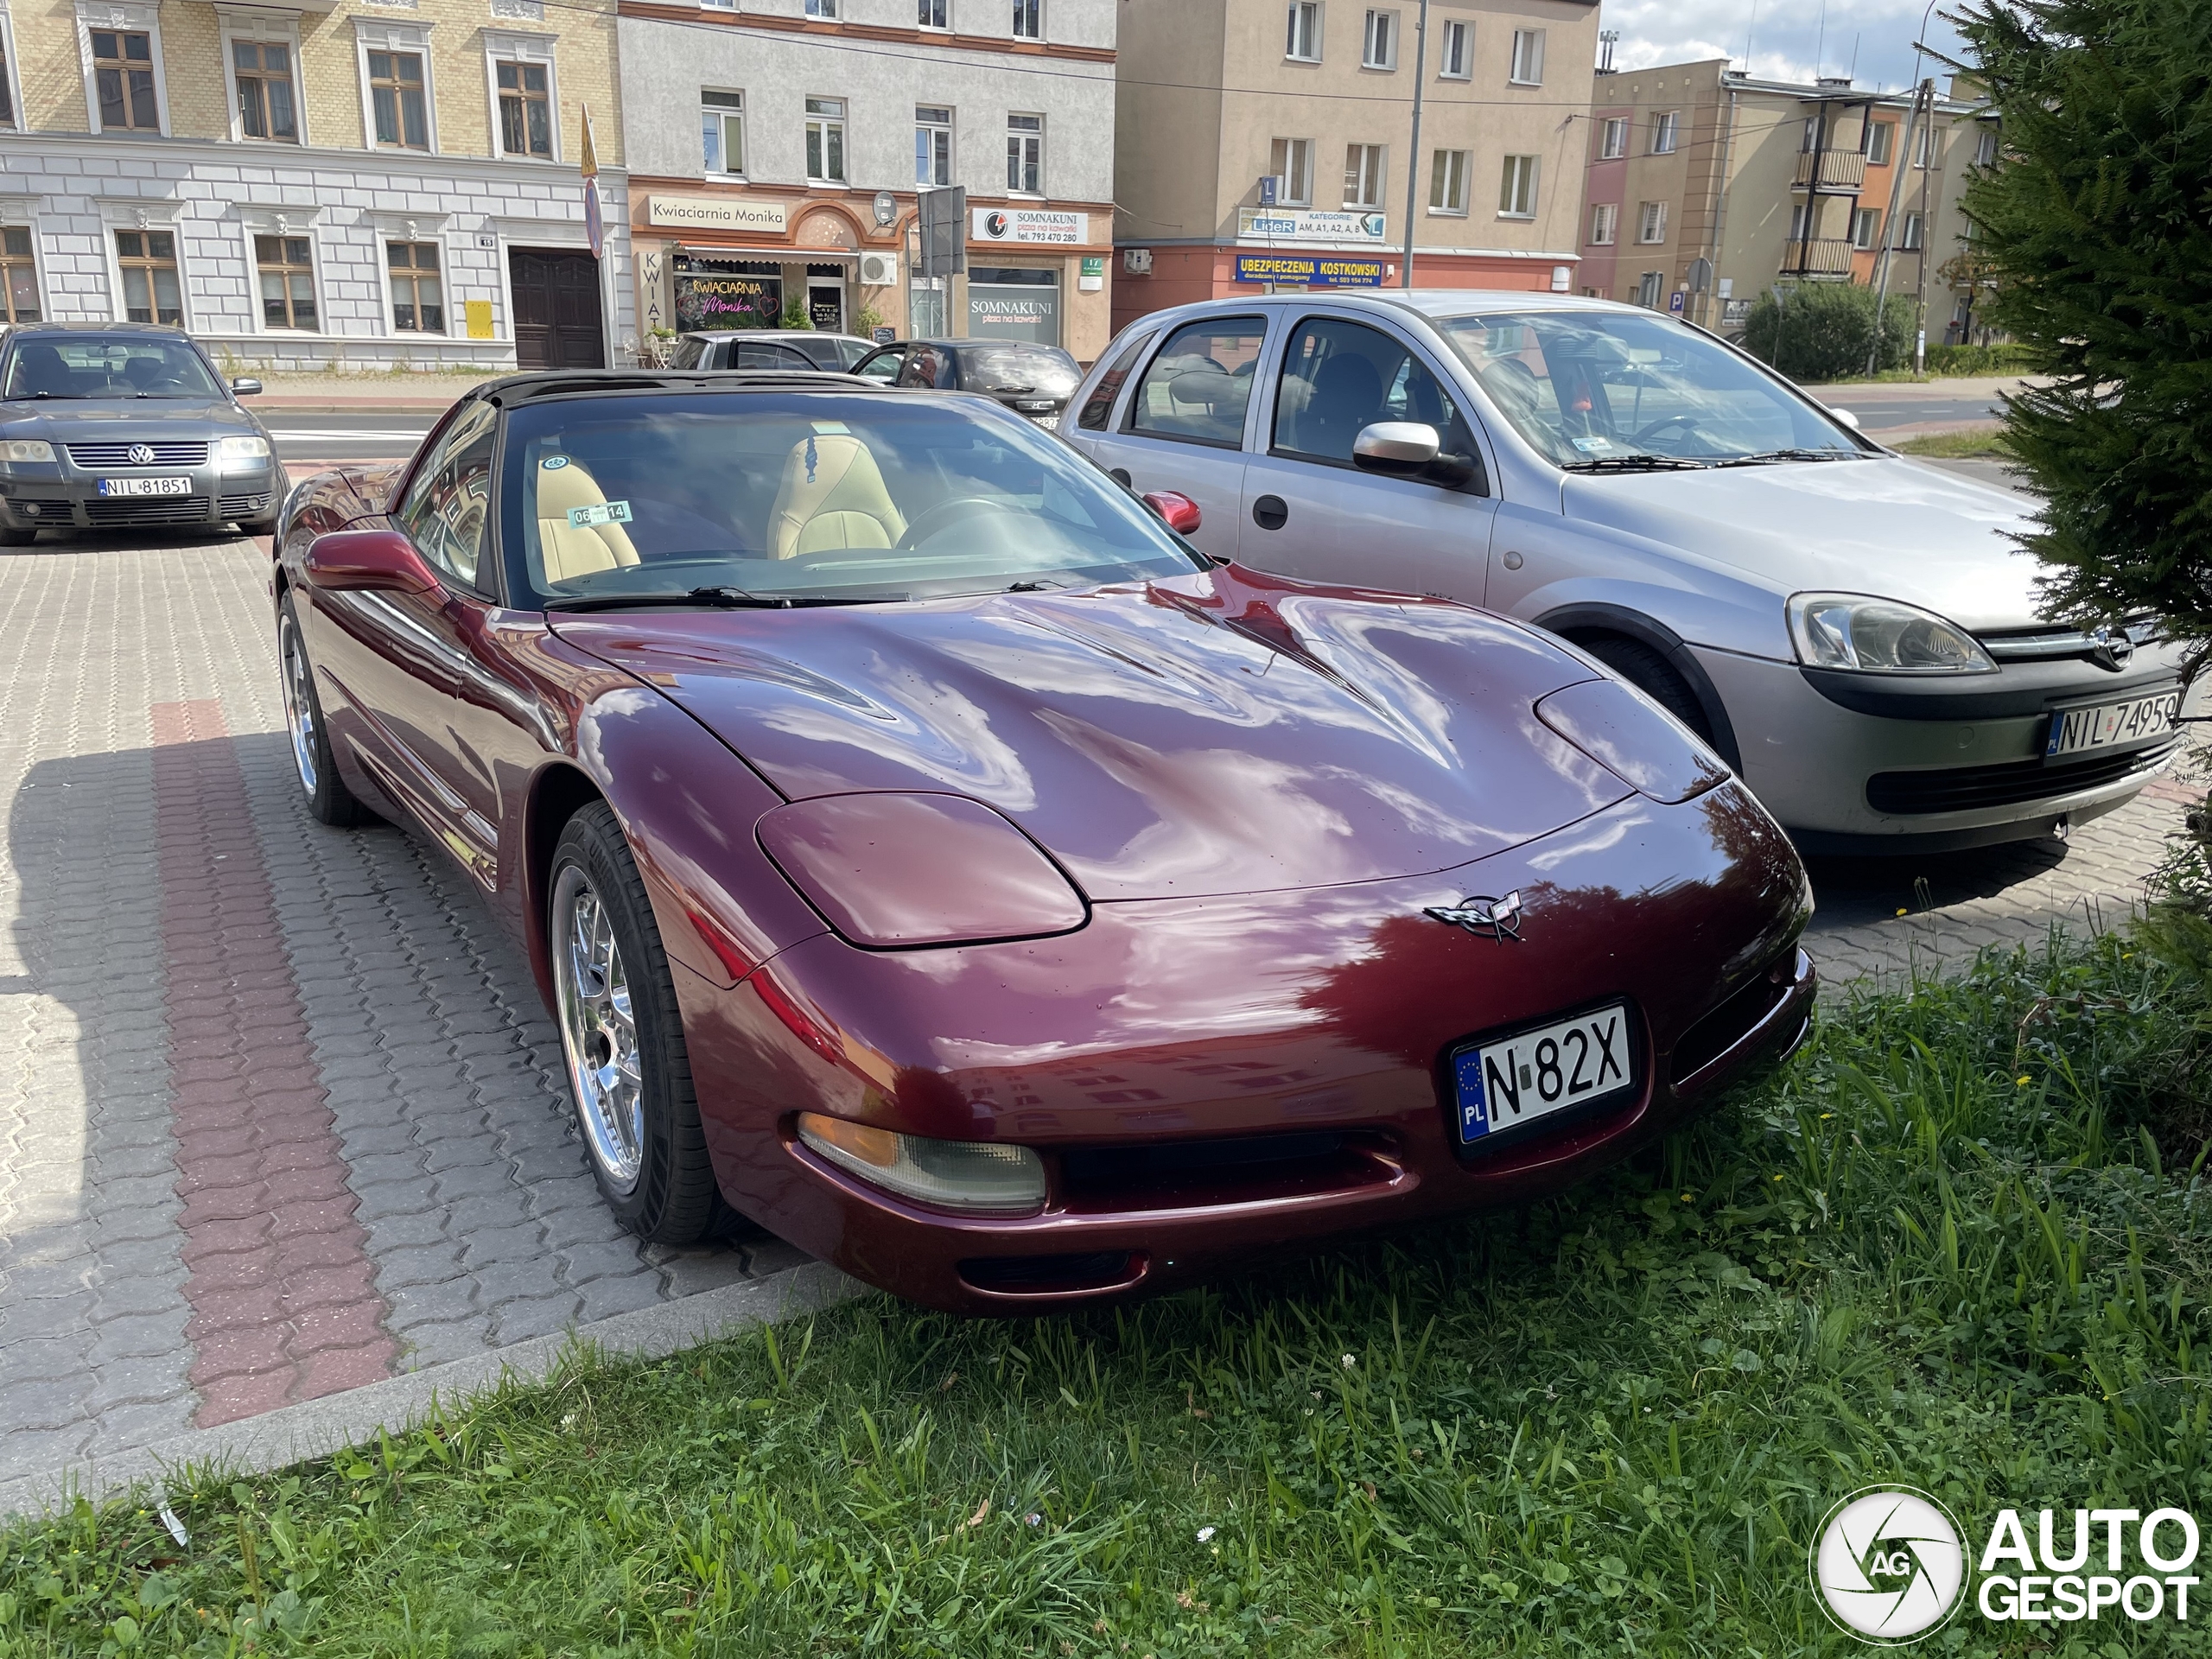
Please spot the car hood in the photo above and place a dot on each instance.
(1205, 734)
(92, 419)
(1888, 526)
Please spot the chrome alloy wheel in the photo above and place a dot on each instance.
(599, 1032)
(299, 703)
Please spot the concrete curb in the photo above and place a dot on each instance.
(316, 1428)
(431, 407)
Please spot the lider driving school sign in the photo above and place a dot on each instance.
(1309, 270)
(1308, 224)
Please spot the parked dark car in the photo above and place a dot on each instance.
(107, 424)
(769, 348)
(927, 853)
(1035, 381)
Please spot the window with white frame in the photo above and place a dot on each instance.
(932, 144)
(1025, 154)
(415, 273)
(284, 267)
(1798, 219)
(1914, 233)
(264, 90)
(1305, 36)
(722, 131)
(525, 92)
(1448, 181)
(1379, 44)
(6, 82)
(1517, 190)
(822, 8)
(123, 80)
(400, 101)
(1528, 57)
(825, 140)
(1363, 176)
(1985, 148)
(1665, 126)
(1612, 139)
(1811, 141)
(1456, 59)
(1648, 287)
(1605, 224)
(19, 274)
(932, 14)
(1290, 160)
(718, 5)
(1029, 20)
(1922, 145)
(1651, 222)
(1881, 137)
(146, 260)
(1866, 228)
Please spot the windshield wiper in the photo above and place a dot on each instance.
(1767, 457)
(719, 598)
(1635, 464)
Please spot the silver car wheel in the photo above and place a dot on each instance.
(299, 705)
(598, 1031)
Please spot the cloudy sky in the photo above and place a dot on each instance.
(1787, 38)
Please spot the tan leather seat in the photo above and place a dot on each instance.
(573, 550)
(832, 496)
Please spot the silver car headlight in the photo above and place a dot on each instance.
(231, 451)
(26, 449)
(1880, 636)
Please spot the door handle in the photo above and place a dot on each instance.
(1271, 512)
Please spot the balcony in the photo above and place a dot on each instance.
(1838, 172)
(1826, 256)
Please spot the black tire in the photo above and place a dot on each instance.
(328, 798)
(259, 526)
(1649, 672)
(668, 1195)
(13, 538)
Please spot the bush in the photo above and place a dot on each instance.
(1822, 331)
(2008, 357)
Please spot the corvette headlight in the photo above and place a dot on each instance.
(228, 451)
(1880, 636)
(29, 450)
(985, 1177)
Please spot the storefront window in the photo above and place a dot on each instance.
(725, 294)
(1012, 303)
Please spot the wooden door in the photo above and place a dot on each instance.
(557, 309)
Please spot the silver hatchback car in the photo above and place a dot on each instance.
(1856, 632)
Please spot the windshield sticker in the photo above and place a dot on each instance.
(831, 428)
(1591, 446)
(553, 463)
(599, 512)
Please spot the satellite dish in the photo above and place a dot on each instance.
(886, 207)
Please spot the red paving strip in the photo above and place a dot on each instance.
(284, 1299)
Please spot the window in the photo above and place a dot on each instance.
(123, 76)
(1363, 176)
(1339, 378)
(1605, 224)
(1198, 387)
(1305, 42)
(1029, 20)
(1797, 221)
(263, 70)
(285, 265)
(1866, 228)
(1528, 57)
(1914, 233)
(445, 512)
(525, 113)
(1098, 408)
(1025, 154)
(18, 273)
(722, 131)
(1613, 144)
(1448, 181)
(396, 95)
(7, 96)
(1456, 60)
(1985, 143)
(825, 140)
(1881, 136)
(932, 144)
(1651, 222)
(1664, 126)
(931, 14)
(1811, 141)
(1921, 145)
(822, 8)
(1380, 50)
(1517, 191)
(418, 303)
(1648, 287)
(1292, 162)
(147, 260)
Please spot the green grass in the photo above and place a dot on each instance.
(1978, 441)
(1947, 1247)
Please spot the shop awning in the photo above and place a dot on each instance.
(776, 254)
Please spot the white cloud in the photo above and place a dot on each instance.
(1787, 39)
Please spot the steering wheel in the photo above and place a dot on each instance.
(1687, 422)
(945, 513)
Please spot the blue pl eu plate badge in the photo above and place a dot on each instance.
(1474, 1105)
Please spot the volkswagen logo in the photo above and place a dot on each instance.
(142, 454)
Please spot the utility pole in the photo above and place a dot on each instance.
(1923, 95)
(1413, 159)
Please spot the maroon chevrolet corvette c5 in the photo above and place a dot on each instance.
(929, 855)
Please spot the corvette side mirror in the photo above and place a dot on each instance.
(368, 561)
(1396, 448)
(1180, 512)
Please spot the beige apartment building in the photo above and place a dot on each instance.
(1268, 144)
(1774, 182)
(310, 183)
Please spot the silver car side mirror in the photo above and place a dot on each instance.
(1396, 447)
(1846, 417)
(245, 387)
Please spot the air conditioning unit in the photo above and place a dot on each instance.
(1137, 261)
(879, 269)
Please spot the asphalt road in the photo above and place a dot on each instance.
(311, 437)
(1877, 412)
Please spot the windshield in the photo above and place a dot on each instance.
(810, 498)
(1599, 386)
(1026, 368)
(108, 365)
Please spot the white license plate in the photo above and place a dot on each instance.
(1509, 1081)
(2111, 725)
(145, 487)
(1050, 423)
